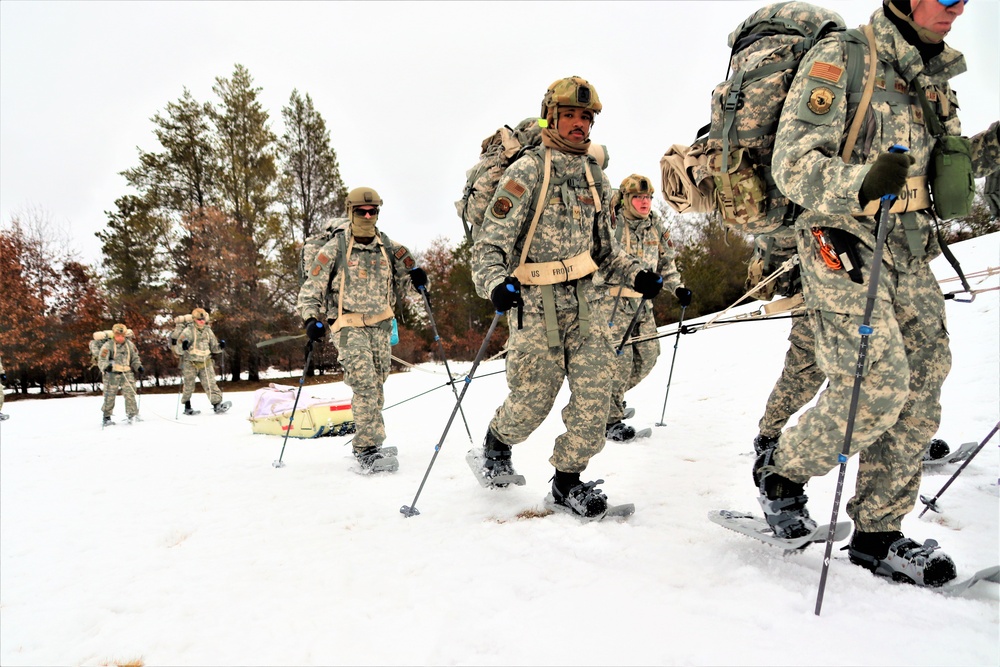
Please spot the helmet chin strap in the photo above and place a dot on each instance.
(926, 35)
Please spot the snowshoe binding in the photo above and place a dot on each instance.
(372, 460)
(188, 410)
(582, 499)
(4, 416)
(219, 408)
(783, 501)
(763, 442)
(938, 449)
(619, 432)
(107, 421)
(493, 467)
(133, 419)
(890, 554)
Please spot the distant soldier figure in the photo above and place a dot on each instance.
(908, 357)
(641, 233)
(544, 235)
(119, 360)
(198, 344)
(3, 383)
(357, 272)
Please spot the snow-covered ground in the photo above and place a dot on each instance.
(175, 542)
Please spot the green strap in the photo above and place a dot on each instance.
(914, 235)
(583, 311)
(549, 312)
(930, 116)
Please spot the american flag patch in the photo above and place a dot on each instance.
(826, 71)
(514, 188)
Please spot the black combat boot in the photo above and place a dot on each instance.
(890, 554)
(783, 501)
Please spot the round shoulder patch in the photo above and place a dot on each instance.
(820, 100)
(501, 207)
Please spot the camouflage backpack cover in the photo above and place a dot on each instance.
(97, 342)
(180, 322)
(766, 51)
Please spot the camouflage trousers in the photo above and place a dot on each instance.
(799, 381)
(113, 382)
(635, 362)
(535, 374)
(192, 372)
(899, 406)
(366, 355)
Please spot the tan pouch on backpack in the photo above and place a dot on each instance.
(741, 193)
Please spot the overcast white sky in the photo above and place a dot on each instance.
(408, 89)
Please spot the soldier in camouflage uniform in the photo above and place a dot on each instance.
(356, 271)
(544, 234)
(3, 383)
(640, 231)
(908, 357)
(198, 343)
(119, 360)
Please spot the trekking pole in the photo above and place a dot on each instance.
(631, 326)
(411, 509)
(670, 376)
(614, 309)
(882, 231)
(177, 410)
(932, 503)
(437, 339)
(291, 418)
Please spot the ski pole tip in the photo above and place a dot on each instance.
(408, 511)
(277, 464)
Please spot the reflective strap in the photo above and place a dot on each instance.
(560, 271)
(359, 319)
(916, 197)
(583, 312)
(624, 291)
(549, 312)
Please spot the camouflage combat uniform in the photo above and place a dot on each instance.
(196, 361)
(569, 225)
(1, 385)
(648, 241)
(125, 362)
(364, 351)
(908, 356)
(800, 377)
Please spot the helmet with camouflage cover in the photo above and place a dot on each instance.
(572, 91)
(119, 329)
(634, 184)
(199, 314)
(362, 197)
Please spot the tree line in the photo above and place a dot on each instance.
(216, 218)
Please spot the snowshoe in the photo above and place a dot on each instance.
(493, 467)
(133, 419)
(188, 410)
(107, 421)
(782, 500)
(219, 408)
(763, 442)
(629, 413)
(4, 416)
(372, 461)
(584, 500)
(938, 449)
(890, 554)
(619, 432)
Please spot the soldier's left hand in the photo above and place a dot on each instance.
(222, 344)
(418, 277)
(683, 295)
(141, 370)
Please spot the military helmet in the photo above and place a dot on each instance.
(571, 92)
(362, 197)
(636, 185)
(119, 329)
(199, 314)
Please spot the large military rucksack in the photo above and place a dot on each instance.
(498, 151)
(766, 51)
(312, 245)
(180, 322)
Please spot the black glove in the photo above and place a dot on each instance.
(507, 295)
(173, 341)
(222, 344)
(185, 345)
(683, 295)
(648, 283)
(3, 378)
(418, 277)
(315, 329)
(886, 177)
(109, 368)
(141, 370)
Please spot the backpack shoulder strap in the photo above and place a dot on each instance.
(855, 60)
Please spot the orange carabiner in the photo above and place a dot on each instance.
(826, 250)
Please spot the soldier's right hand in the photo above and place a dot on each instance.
(507, 295)
(185, 345)
(886, 177)
(109, 368)
(315, 329)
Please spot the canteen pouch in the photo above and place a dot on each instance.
(951, 181)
